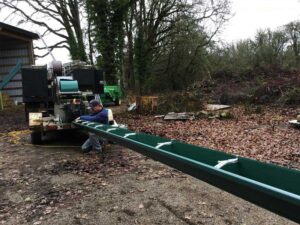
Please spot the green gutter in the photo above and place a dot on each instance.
(267, 185)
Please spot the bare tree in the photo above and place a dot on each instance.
(293, 31)
(61, 18)
(156, 21)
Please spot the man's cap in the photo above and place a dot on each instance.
(94, 103)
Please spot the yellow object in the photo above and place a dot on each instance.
(13, 137)
(5, 101)
(35, 119)
(145, 103)
(149, 101)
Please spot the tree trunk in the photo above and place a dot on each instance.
(129, 76)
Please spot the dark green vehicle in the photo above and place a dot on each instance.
(112, 95)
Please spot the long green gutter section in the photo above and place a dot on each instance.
(14, 71)
(269, 186)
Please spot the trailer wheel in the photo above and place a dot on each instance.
(36, 137)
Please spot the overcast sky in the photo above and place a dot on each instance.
(251, 15)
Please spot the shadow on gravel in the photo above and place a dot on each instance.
(71, 137)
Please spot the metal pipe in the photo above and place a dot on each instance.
(269, 186)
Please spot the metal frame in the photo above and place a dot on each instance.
(272, 187)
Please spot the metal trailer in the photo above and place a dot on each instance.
(270, 186)
(57, 95)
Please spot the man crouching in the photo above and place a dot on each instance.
(99, 115)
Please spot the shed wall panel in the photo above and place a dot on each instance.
(14, 85)
(13, 92)
(17, 77)
(15, 60)
(11, 53)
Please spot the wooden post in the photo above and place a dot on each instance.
(1, 101)
(138, 100)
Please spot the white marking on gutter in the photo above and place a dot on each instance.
(222, 163)
(111, 129)
(129, 134)
(163, 144)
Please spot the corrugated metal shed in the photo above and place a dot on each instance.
(15, 46)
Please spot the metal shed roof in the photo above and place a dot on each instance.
(16, 30)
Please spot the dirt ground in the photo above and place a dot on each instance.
(56, 184)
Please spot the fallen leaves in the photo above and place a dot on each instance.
(89, 166)
(14, 137)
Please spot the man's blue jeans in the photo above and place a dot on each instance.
(92, 143)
